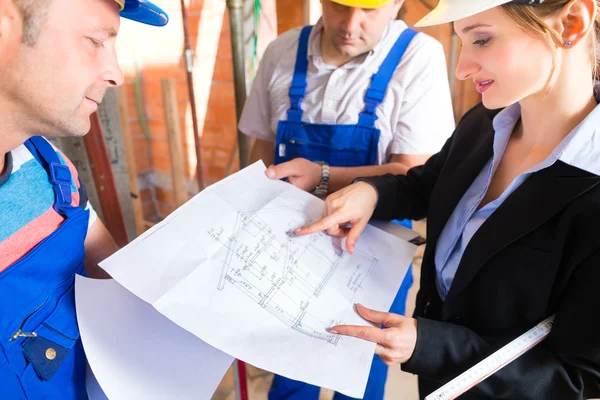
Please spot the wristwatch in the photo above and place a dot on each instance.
(322, 188)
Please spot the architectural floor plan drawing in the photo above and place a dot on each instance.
(284, 273)
(227, 268)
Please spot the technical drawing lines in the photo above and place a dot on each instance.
(287, 275)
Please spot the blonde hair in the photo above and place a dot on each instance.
(531, 18)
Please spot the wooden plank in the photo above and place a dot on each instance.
(108, 111)
(105, 183)
(130, 160)
(174, 139)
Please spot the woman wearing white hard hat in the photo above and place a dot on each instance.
(512, 204)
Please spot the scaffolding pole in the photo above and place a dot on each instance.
(236, 22)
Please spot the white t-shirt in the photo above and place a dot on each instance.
(415, 117)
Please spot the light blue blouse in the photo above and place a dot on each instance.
(581, 148)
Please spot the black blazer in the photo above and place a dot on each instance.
(536, 255)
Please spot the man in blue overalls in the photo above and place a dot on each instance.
(57, 59)
(358, 94)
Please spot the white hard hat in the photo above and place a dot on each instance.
(453, 10)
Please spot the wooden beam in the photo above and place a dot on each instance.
(171, 112)
(108, 111)
(105, 183)
(130, 159)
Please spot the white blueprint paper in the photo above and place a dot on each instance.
(136, 353)
(224, 267)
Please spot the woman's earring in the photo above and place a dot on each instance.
(568, 43)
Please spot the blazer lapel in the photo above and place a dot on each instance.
(539, 198)
(458, 175)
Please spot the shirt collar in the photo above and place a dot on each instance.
(505, 121)
(580, 148)
(384, 38)
(583, 148)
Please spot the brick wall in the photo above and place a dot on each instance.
(159, 55)
(290, 14)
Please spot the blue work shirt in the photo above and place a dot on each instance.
(576, 149)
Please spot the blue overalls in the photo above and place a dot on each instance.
(41, 356)
(339, 146)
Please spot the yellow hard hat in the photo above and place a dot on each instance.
(362, 3)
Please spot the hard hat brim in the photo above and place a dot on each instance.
(454, 10)
(145, 12)
(363, 3)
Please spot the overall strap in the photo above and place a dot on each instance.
(379, 81)
(59, 174)
(298, 88)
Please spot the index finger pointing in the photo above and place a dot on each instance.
(370, 333)
(378, 317)
(321, 225)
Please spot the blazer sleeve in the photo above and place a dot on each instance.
(565, 366)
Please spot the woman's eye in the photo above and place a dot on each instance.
(482, 42)
(97, 43)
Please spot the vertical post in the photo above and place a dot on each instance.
(130, 160)
(174, 139)
(239, 75)
(239, 72)
(188, 56)
(454, 50)
(312, 11)
(105, 182)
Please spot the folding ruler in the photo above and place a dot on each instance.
(492, 364)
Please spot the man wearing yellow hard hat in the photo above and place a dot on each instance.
(349, 97)
(57, 60)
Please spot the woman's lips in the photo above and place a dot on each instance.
(483, 85)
